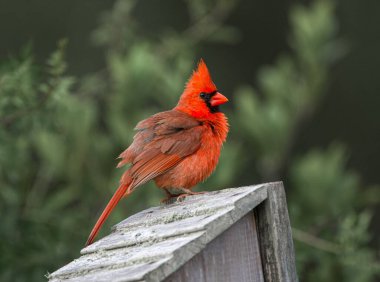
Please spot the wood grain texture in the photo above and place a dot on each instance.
(275, 237)
(232, 256)
(153, 244)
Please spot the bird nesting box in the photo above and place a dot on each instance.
(238, 234)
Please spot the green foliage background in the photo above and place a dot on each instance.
(60, 134)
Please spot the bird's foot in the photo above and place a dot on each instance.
(188, 192)
(181, 194)
(168, 200)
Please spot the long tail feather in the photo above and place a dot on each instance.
(120, 192)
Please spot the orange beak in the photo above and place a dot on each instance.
(218, 99)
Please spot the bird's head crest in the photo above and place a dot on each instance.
(201, 99)
(200, 81)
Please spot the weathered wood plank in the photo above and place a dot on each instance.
(232, 256)
(244, 199)
(228, 204)
(275, 237)
(154, 243)
(94, 266)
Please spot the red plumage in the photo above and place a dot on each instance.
(177, 148)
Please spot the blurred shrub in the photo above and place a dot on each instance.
(59, 137)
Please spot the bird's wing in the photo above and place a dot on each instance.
(161, 124)
(161, 143)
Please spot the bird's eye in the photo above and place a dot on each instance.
(202, 95)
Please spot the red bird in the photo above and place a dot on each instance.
(177, 148)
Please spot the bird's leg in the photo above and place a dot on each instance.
(169, 197)
(186, 192)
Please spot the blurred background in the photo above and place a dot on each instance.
(302, 78)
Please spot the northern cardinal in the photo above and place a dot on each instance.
(177, 148)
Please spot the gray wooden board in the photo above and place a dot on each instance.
(154, 243)
(275, 236)
(232, 256)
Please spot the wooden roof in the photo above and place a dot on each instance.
(152, 244)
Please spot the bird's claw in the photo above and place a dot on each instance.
(182, 197)
(172, 198)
